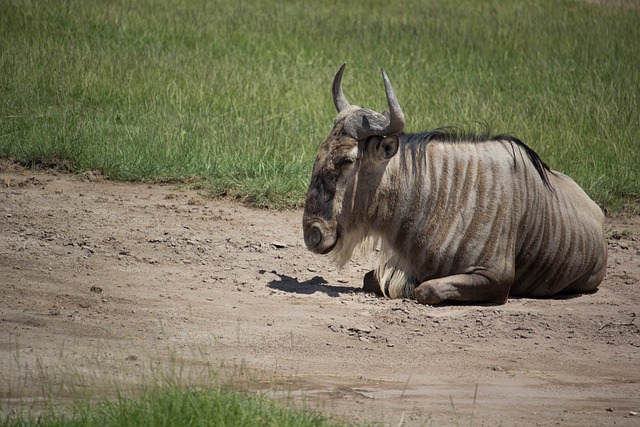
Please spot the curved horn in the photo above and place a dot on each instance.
(367, 123)
(339, 99)
(396, 117)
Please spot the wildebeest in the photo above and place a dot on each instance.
(458, 216)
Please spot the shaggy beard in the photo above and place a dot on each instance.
(359, 240)
(395, 276)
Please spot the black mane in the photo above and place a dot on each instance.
(455, 134)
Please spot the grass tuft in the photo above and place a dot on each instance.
(165, 387)
(176, 407)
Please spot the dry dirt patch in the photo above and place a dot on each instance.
(108, 283)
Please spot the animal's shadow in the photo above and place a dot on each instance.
(319, 284)
(316, 284)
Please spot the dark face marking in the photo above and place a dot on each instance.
(336, 161)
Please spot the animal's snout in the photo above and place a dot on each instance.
(312, 236)
(320, 237)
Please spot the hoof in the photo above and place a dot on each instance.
(427, 295)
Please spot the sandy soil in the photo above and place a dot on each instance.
(107, 285)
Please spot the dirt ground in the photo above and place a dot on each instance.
(108, 284)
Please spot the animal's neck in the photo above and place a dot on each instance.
(404, 191)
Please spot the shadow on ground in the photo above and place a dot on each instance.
(315, 284)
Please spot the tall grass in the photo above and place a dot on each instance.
(164, 387)
(176, 407)
(238, 93)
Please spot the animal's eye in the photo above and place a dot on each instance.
(346, 162)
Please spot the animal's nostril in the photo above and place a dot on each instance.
(313, 237)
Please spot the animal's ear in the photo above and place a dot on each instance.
(387, 148)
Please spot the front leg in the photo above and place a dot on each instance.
(471, 287)
(371, 284)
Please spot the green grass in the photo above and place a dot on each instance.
(175, 407)
(237, 94)
(165, 387)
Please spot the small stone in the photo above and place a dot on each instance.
(361, 328)
(279, 245)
